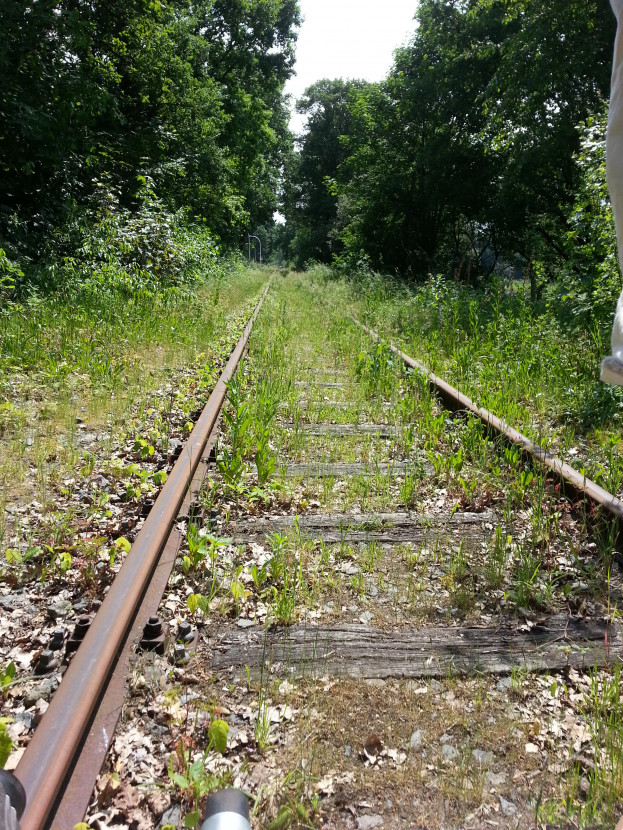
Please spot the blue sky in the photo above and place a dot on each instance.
(348, 39)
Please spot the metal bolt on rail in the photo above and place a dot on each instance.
(47, 661)
(154, 634)
(227, 810)
(185, 633)
(146, 507)
(57, 640)
(180, 655)
(78, 635)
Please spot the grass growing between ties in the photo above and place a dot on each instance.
(424, 522)
(344, 501)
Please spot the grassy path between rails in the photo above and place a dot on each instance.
(343, 498)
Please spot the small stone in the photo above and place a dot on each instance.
(11, 602)
(27, 718)
(366, 617)
(434, 685)
(416, 739)
(171, 816)
(585, 786)
(41, 707)
(245, 623)
(80, 606)
(495, 779)
(348, 751)
(449, 752)
(416, 688)
(40, 691)
(483, 757)
(507, 807)
(158, 802)
(369, 822)
(504, 684)
(376, 682)
(99, 481)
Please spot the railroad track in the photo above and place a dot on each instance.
(341, 591)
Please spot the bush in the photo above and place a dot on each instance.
(9, 272)
(106, 247)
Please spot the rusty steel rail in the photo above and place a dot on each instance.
(456, 400)
(47, 762)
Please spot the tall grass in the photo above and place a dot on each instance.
(532, 364)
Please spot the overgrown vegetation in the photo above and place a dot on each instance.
(531, 364)
(488, 541)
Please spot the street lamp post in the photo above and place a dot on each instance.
(251, 236)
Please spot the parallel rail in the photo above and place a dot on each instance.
(458, 401)
(50, 760)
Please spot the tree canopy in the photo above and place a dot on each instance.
(108, 91)
(467, 152)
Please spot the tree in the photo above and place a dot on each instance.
(188, 94)
(310, 199)
(467, 151)
(553, 72)
(420, 175)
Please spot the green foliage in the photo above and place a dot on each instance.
(310, 194)
(375, 369)
(8, 274)
(265, 411)
(465, 157)
(110, 248)
(197, 602)
(194, 779)
(185, 96)
(7, 676)
(201, 548)
(237, 419)
(592, 282)
(6, 744)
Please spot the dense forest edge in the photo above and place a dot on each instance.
(146, 150)
(139, 140)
